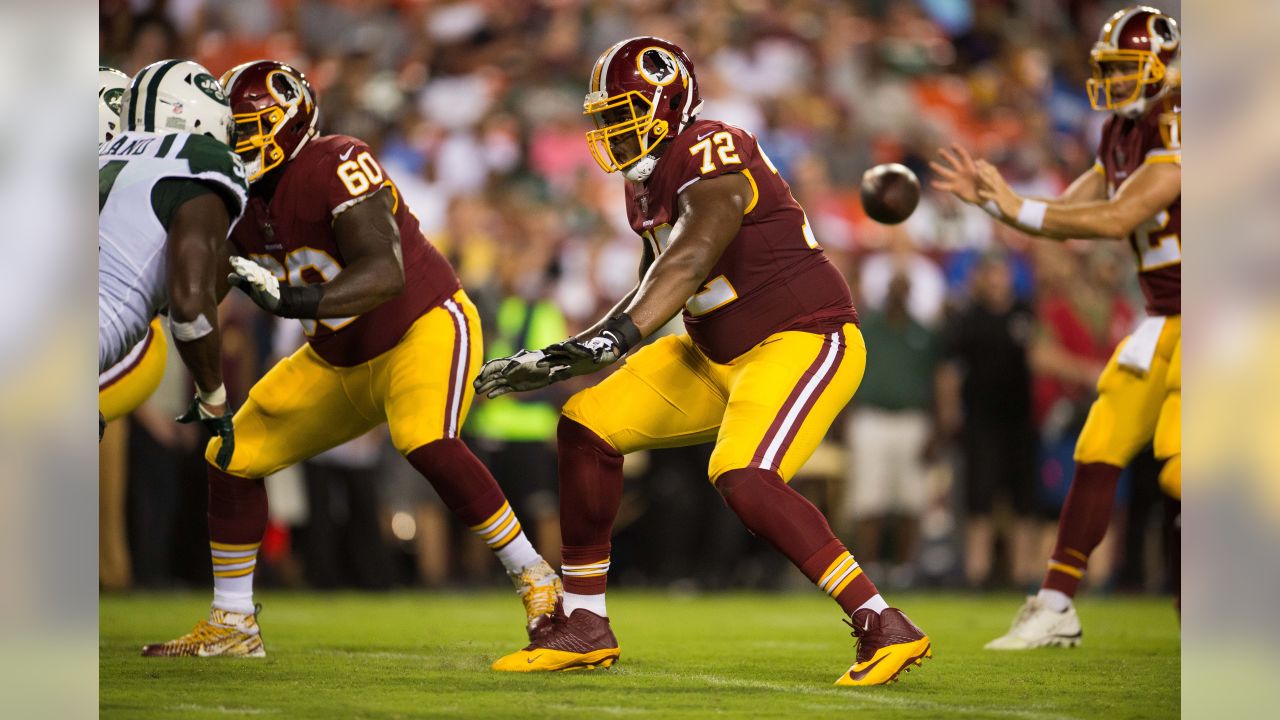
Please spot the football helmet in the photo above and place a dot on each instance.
(1134, 60)
(275, 113)
(642, 91)
(177, 96)
(111, 86)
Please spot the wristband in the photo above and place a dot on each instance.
(1031, 214)
(300, 302)
(622, 331)
(217, 396)
(992, 209)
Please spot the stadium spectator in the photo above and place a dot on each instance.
(985, 397)
(888, 435)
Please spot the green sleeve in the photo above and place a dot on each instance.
(215, 164)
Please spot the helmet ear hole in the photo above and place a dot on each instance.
(674, 102)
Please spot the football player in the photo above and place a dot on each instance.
(1132, 192)
(123, 386)
(169, 189)
(772, 355)
(392, 338)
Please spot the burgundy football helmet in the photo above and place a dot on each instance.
(1134, 60)
(641, 89)
(275, 113)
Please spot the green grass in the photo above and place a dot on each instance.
(409, 655)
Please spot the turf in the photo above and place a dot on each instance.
(409, 655)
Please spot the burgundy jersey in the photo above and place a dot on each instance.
(293, 236)
(773, 276)
(1126, 145)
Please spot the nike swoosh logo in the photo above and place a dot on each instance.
(347, 154)
(705, 134)
(535, 657)
(859, 674)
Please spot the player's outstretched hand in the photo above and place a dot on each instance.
(257, 282)
(992, 187)
(519, 373)
(959, 174)
(217, 423)
(574, 357)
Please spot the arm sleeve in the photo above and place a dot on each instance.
(172, 193)
(214, 165)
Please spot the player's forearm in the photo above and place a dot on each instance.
(203, 357)
(618, 307)
(668, 285)
(361, 286)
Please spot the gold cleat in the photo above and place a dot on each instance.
(888, 645)
(225, 633)
(540, 590)
(582, 641)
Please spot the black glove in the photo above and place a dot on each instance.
(219, 425)
(518, 373)
(577, 357)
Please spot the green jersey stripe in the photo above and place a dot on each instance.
(165, 145)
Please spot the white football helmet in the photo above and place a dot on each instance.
(111, 86)
(177, 96)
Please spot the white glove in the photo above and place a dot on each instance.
(257, 282)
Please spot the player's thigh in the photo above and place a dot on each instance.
(126, 385)
(783, 396)
(424, 382)
(662, 396)
(1123, 417)
(297, 410)
(1168, 440)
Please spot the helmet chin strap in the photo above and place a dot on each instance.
(641, 169)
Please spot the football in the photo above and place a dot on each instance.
(890, 193)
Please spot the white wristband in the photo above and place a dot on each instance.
(216, 396)
(1031, 214)
(992, 209)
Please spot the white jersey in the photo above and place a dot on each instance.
(133, 214)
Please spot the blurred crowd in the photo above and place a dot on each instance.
(949, 466)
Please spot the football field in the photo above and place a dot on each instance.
(409, 655)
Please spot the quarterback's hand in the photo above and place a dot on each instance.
(217, 420)
(521, 372)
(959, 176)
(992, 186)
(264, 289)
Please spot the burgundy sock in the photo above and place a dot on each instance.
(463, 482)
(237, 508)
(773, 510)
(1082, 525)
(590, 492)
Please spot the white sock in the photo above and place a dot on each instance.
(594, 603)
(518, 554)
(233, 567)
(1055, 600)
(501, 531)
(875, 603)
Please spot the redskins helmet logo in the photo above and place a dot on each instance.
(657, 66)
(284, 88)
